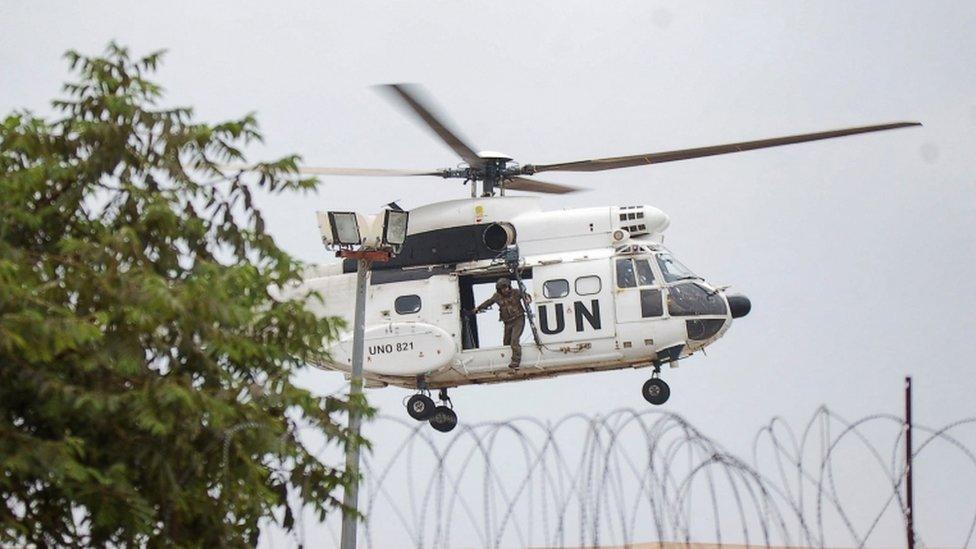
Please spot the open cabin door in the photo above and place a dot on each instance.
(573, 301)
(469, 324)
(483, 330)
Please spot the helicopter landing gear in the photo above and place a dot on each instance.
(420, 407)
(655, 390)
(443, 418)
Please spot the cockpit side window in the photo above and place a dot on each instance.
(672, 269)
(645, 276)
(625, 274)
(650, 301)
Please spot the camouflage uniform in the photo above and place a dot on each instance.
(512, 313)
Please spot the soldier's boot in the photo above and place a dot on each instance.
(516, 356)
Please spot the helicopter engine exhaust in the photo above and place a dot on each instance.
(499, 236)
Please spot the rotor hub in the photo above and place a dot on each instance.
(494, 155)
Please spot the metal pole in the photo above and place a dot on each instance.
(909, 493)
(350, 497)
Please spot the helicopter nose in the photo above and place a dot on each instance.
(739, 305)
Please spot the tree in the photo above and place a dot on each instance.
(146, 368)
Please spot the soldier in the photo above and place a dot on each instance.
(511, 312)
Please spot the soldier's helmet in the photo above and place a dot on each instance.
(502, 283)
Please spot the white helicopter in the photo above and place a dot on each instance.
(606, 294)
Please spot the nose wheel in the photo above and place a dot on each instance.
(655, 390)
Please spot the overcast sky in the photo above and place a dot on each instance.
(858, 253)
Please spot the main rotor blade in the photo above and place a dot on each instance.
(369, 172)
(536, 186)
(413, 97)
(613, 163)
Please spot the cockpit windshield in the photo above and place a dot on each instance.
(672, 269)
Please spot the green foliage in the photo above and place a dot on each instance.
(145, 369)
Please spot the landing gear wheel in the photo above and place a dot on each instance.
(420, 407)
(656, 391)
(443, 419)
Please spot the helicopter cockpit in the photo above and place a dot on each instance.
(662, 287)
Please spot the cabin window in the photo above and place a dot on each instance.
(407, 304)
(625, 274)
(588, 285)
(645, 276)
(557, 288)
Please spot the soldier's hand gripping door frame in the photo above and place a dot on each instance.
(511, 312)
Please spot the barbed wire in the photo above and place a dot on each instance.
(642, 476)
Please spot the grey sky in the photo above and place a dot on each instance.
(858, 253)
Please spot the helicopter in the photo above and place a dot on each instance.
(605, 293)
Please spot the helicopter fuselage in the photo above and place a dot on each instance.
(605, 295)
